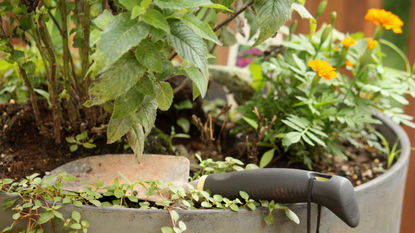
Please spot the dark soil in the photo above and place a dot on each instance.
(23, 151)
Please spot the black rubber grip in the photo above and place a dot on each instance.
(289, 186)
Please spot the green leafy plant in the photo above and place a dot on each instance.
(325, 89)
(80, 139)
(12, 87)
(34, 193)
(125, 50)
(183, 122)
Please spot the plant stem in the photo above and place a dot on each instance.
(104, 5)
(181, 86)
(233, 16)
(85, 59)
(171, 216)
(51, 79)
(39, 46)
(26, 81)
(55, 21)
(65, 48)
(33, 97)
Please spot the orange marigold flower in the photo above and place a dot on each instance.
(323, 68)
(371, 43)
(386, 18)
(349, 63)
(348, 41)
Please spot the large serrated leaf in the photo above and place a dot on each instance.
(303, 12)
(119, 127)
(200, 28)
(181, 4)
(157, 34)
(157, 20)
(228, 37)
(146, 113)
(189, 46)
(197, 77)
(115, 80)
(127, 104)
(218, 7)
(130, 4)
(272, 14)
(226, 3)
(137, 10)
(119, 36)
(196, 91)
(169, 69)
(136, 138)
(252, 22)
(164, 96)
(104, 19)
(142, 124)
(148, 55)
(145, 86)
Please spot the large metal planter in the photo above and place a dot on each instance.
(380, 203)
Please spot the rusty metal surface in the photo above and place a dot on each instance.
(105, 168)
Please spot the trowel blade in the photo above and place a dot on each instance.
(105, 168)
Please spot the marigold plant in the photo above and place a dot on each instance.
(315, 116)
(385, 18)
(371, 43)
(323, 68)
(348, 41)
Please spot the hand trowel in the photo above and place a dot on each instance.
(278, 184)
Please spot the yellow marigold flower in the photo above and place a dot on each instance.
(349, 63)
(386, 18)
(371, 43)
(323, 68)
(348, 41)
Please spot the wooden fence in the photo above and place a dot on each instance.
(408, 213)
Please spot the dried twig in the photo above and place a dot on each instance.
(102, 129)
(253, 151)
(207, 131)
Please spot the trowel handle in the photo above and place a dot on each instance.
(288, 186)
